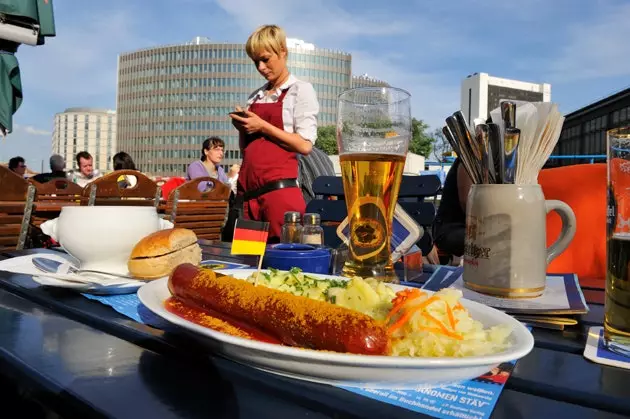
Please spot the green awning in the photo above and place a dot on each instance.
(25, 14)
(10, 90)
(34, 12)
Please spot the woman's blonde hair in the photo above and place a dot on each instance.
(270, 38)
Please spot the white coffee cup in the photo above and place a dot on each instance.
(102, 237)
(506, 252)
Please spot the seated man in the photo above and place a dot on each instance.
(310, 167)
(18, 166)
(86, 173)
(57, 166)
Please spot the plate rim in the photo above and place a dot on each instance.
(521, 333)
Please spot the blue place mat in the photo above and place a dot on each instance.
(129, 305)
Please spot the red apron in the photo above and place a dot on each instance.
(265, 161)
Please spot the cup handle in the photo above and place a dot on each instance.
(568, 228)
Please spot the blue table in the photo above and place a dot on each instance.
(63, 353)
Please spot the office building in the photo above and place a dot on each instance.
(584, 130)
(85, 129)
(171, 98)
(481, 93)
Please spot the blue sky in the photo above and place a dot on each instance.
(426, 47)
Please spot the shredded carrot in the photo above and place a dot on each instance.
(403, 297)
(408, 294)
(407, 315)
(459, 306)
(443, 329)
(449, 313)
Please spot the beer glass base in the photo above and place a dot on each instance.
(381, 273)
(616, 341)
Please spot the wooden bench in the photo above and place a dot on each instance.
(203, 211)
(52, 196)
(108, 190)
(16, 205)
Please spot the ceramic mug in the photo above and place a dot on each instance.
(102, 237)
(505, 252)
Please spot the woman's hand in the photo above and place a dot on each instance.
(250, 124)
(432, 257)
(234, 170)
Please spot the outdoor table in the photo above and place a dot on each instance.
(80, 358)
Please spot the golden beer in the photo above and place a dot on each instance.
(371, 183)
(617, 319)
(617, 305)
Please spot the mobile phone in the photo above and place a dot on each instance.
(405, 233)
(242, 114)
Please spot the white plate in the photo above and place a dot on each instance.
(24, 265)
(126, 288)
(349, 369)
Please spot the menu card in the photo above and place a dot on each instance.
(562, 294)
(473, 399)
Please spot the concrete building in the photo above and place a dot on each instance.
(85, 129)
(366, 81)
(171, 98)
(481, 93)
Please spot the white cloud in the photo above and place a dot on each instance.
(321, 20)
(596, 48)
(411, 37)
(78, 66)
(31, 130)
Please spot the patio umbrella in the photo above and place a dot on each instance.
(21, 21)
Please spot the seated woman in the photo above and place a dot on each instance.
(449, 228)
(210, 162)
(123, 161)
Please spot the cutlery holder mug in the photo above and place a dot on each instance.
(505, 252)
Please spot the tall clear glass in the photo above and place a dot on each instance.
(617, 309)
(373, 133)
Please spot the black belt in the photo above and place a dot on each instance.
(271, 186)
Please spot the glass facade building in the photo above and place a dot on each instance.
(171, 98)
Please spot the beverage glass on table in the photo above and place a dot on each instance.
(617, 316)
(373, 133)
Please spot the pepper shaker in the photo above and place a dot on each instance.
(291, 229)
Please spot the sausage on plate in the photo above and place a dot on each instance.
(295, 320)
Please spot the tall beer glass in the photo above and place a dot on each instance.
(373, 133)
(617, 317)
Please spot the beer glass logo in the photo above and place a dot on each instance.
(369, 231)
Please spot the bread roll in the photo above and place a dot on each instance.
(157, 254)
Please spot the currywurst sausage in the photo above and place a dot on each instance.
(295, 320)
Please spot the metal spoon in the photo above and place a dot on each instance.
(52, 266)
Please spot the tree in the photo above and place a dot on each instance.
(420, 143)
(441, 146)
(327, 139)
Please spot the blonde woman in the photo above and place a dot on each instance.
(280, 121)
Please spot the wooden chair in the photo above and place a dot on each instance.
(53, 195)
(411, 196)
(204, 212)
(108, 191)
(16, 205)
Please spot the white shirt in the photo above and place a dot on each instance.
(81, 180)
(299, 109)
